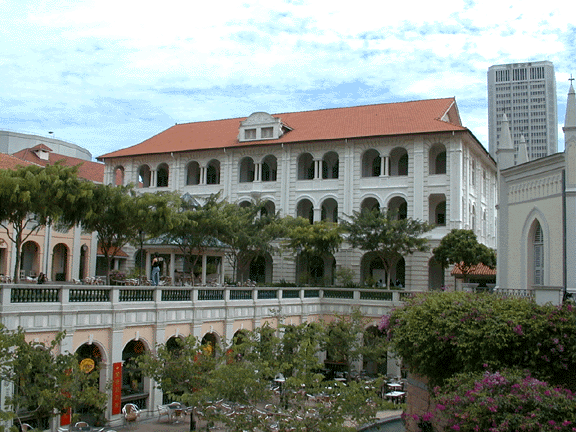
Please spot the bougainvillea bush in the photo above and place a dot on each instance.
(441, 334)
(502, 402)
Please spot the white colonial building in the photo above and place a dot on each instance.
(415, 157)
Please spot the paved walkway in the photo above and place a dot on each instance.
(163, 425)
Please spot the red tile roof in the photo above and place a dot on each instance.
(434, 115)
(477, 270)
(93, 171)
(11, 162)
(120, 253)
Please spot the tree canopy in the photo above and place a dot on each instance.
(34, 196)
(196, 227)
(45, 381)
(118, 215)
(440, 334)
(268, 376)
(247, 232)
(461, 247)
(387, 235)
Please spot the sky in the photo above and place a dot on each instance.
(109, 74)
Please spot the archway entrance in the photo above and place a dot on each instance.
(133, 388)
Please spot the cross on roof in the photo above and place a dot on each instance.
(570, 79)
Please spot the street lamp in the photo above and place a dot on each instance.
(141, 233)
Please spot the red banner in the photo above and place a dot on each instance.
(117, 388)
(66, 417)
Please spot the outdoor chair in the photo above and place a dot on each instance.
(131, 414)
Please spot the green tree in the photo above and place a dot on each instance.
(196, 227)
(440, 334)
(306, 240)
(461, 247)
(180, 369)
(247, 232)
(246, 378)
(46, 382)
(33, 197)
(387, 235)
(344, 339)
(118, 215)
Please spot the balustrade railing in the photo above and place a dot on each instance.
(176, 295)
(106, 294)
(34, 295)
(241, 294)
(89, 295)
(136, 295)
(210, 294)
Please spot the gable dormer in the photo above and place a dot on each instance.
(261, 126)
(42, 151)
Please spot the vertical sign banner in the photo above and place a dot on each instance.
(117, 388)
(66, 418)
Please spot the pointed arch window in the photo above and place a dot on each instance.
(538, 245)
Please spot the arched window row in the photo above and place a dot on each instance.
(309, 167)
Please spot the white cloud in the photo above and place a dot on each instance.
(209, 60)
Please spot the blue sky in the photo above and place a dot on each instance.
(109, 74)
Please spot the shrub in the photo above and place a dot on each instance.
(440, 334)
(503, 401)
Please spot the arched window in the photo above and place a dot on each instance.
(119, 176)
(330, 166)
(162, 176)
(399, 162)
(538, 257)
(371, 163)
(400, 206)
(193, 173)
(437, 159)
(305, 167)
(246, 170)
(329, 210)
(305, 209)
(269, 168)
(213, 172)
(144, 176)
(369, 204)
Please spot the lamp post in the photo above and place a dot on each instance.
(141, 233)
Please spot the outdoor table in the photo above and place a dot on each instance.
(177, 411)
(395, 396)
(395, 386)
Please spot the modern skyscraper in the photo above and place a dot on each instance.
(526, 93)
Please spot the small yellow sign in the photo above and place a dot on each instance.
(87, 365)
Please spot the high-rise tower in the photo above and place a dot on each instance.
(526, 93)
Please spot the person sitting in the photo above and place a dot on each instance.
(41, 278)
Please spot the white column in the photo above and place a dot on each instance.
(317, 169)
(204, 261)
(172, 266)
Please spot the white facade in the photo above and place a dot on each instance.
(537, 217)
(446, 178)
(526, 93)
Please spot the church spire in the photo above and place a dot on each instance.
(505, 150)
(522, 151)
(570, 119)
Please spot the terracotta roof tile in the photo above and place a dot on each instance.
(41, 147)
(477, 270)
(11, 162)
(93, 171)
(119, 254)
(434, 115)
